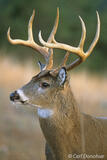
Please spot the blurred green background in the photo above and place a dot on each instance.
(16, 13)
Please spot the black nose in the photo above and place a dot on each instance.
(14, 96)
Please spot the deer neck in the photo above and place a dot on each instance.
(62, 128)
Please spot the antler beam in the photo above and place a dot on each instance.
(77, 50)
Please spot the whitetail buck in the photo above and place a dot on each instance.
(59, 115)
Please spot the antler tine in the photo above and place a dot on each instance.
(96, 36)
(83, 36)
(52, 34)
(50, 39)
(65, 58)
(77, 50)
(30, 34)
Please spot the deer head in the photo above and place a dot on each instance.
(43, 87)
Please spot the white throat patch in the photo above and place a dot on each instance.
(44, 113)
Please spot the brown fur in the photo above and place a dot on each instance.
(67, 130)
(63, 131)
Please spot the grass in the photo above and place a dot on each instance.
(20, 134)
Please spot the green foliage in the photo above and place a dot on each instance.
(16, 14)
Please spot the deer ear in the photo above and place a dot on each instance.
(62, 75)
(42, 66)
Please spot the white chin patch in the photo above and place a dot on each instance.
(22, 95)
(44, 113)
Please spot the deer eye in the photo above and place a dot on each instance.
(45, 85)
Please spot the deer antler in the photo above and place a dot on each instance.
(77, 50)
(45, 51)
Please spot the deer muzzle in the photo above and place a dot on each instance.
(18, 96)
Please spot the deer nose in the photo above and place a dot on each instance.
(14, 96)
